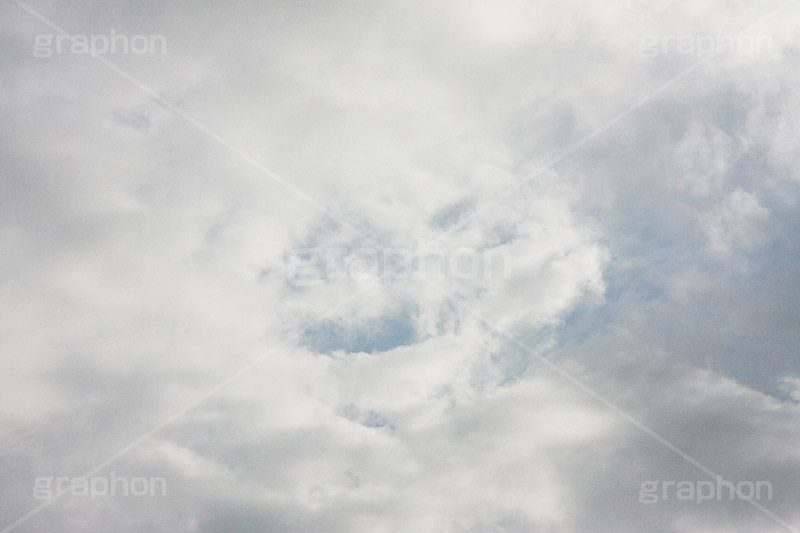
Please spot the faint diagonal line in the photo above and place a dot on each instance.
(600, 398)
(186, 408)
(604, 128)
(197, 124)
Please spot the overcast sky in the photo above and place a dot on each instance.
(179, 227)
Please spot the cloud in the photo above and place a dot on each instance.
(145, 262)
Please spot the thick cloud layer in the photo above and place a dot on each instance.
(188, 238)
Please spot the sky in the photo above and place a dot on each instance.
(447, 266)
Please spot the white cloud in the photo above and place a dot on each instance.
(144, 262)
(735, 222)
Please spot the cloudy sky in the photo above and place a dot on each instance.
(211, 246)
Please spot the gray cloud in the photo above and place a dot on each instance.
(144, 262)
